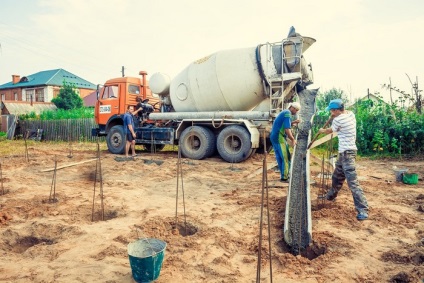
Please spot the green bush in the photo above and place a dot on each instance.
(68, 98)
(60, 114)
(381, 128)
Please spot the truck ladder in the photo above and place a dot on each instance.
(280, 83)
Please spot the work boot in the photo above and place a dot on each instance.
(331, 195)
(362, 215)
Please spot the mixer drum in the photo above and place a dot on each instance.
(224, 81)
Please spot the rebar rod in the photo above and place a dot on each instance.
(264, 189)
(1, 179)
(52, 196)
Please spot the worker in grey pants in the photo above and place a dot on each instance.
(344, 123)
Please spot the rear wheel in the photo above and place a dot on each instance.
(197, 142)
(234, 144)
(116, 139)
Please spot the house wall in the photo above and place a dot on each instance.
(85, 92)
(50, 92)
(9, 94)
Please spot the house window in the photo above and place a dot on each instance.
(29, 95)
(16, 96)
(56, 92)
(39, 95)
(3, 96)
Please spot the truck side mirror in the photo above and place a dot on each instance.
(97, 91)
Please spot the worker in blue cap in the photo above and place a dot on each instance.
(344, 123)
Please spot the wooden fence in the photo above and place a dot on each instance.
(59, 130)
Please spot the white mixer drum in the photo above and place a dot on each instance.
(224, 81)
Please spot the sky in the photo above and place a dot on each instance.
(360, 44)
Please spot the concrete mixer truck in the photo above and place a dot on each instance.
(225, 102)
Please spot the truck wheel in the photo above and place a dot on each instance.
(153, 148)
(116, 139)
(234, 144)
(197, 142)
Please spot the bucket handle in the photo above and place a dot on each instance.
(147, 240)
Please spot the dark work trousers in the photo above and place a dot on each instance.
(345, 169)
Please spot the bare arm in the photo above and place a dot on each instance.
(290, 136)
(325, 131)
(130, 127)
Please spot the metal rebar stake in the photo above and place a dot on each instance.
(264, 189)
(94, 191)
(52, 197)
(101, 182)
(180, 173)
(26, 146)
(1, 180)
(98, 172)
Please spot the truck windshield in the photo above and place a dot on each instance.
(110, 92)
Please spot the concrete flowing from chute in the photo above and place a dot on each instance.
(298, 222)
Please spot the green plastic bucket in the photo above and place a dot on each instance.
(146, 257)
(410, 179)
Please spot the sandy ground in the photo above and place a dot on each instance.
(47, 233)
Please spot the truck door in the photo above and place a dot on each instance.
(108, 103)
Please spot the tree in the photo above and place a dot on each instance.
(323, 99)
(417, 92)
(415, 97)
(68, 98)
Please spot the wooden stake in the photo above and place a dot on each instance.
(68, 165)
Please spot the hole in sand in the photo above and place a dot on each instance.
(184, 229)
(151, 161)
(52, 200)
(25, 243)
(312, 252)
(401, 277)
(109, 214)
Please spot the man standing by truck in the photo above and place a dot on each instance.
(281, 130)
(344, 123)
(129, 128)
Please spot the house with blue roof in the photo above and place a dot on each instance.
(39, 88)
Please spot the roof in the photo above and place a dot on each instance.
(23, 107)
(369, 96)
(91, 99)
(51, 77)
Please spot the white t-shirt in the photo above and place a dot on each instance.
(345, 126)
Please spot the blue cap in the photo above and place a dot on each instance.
(335, 104)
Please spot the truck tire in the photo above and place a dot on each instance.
(116, 139)
(234, 144)
(197, 142)
(153, 148)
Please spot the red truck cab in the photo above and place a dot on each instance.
(113, 99)
(116, 94)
